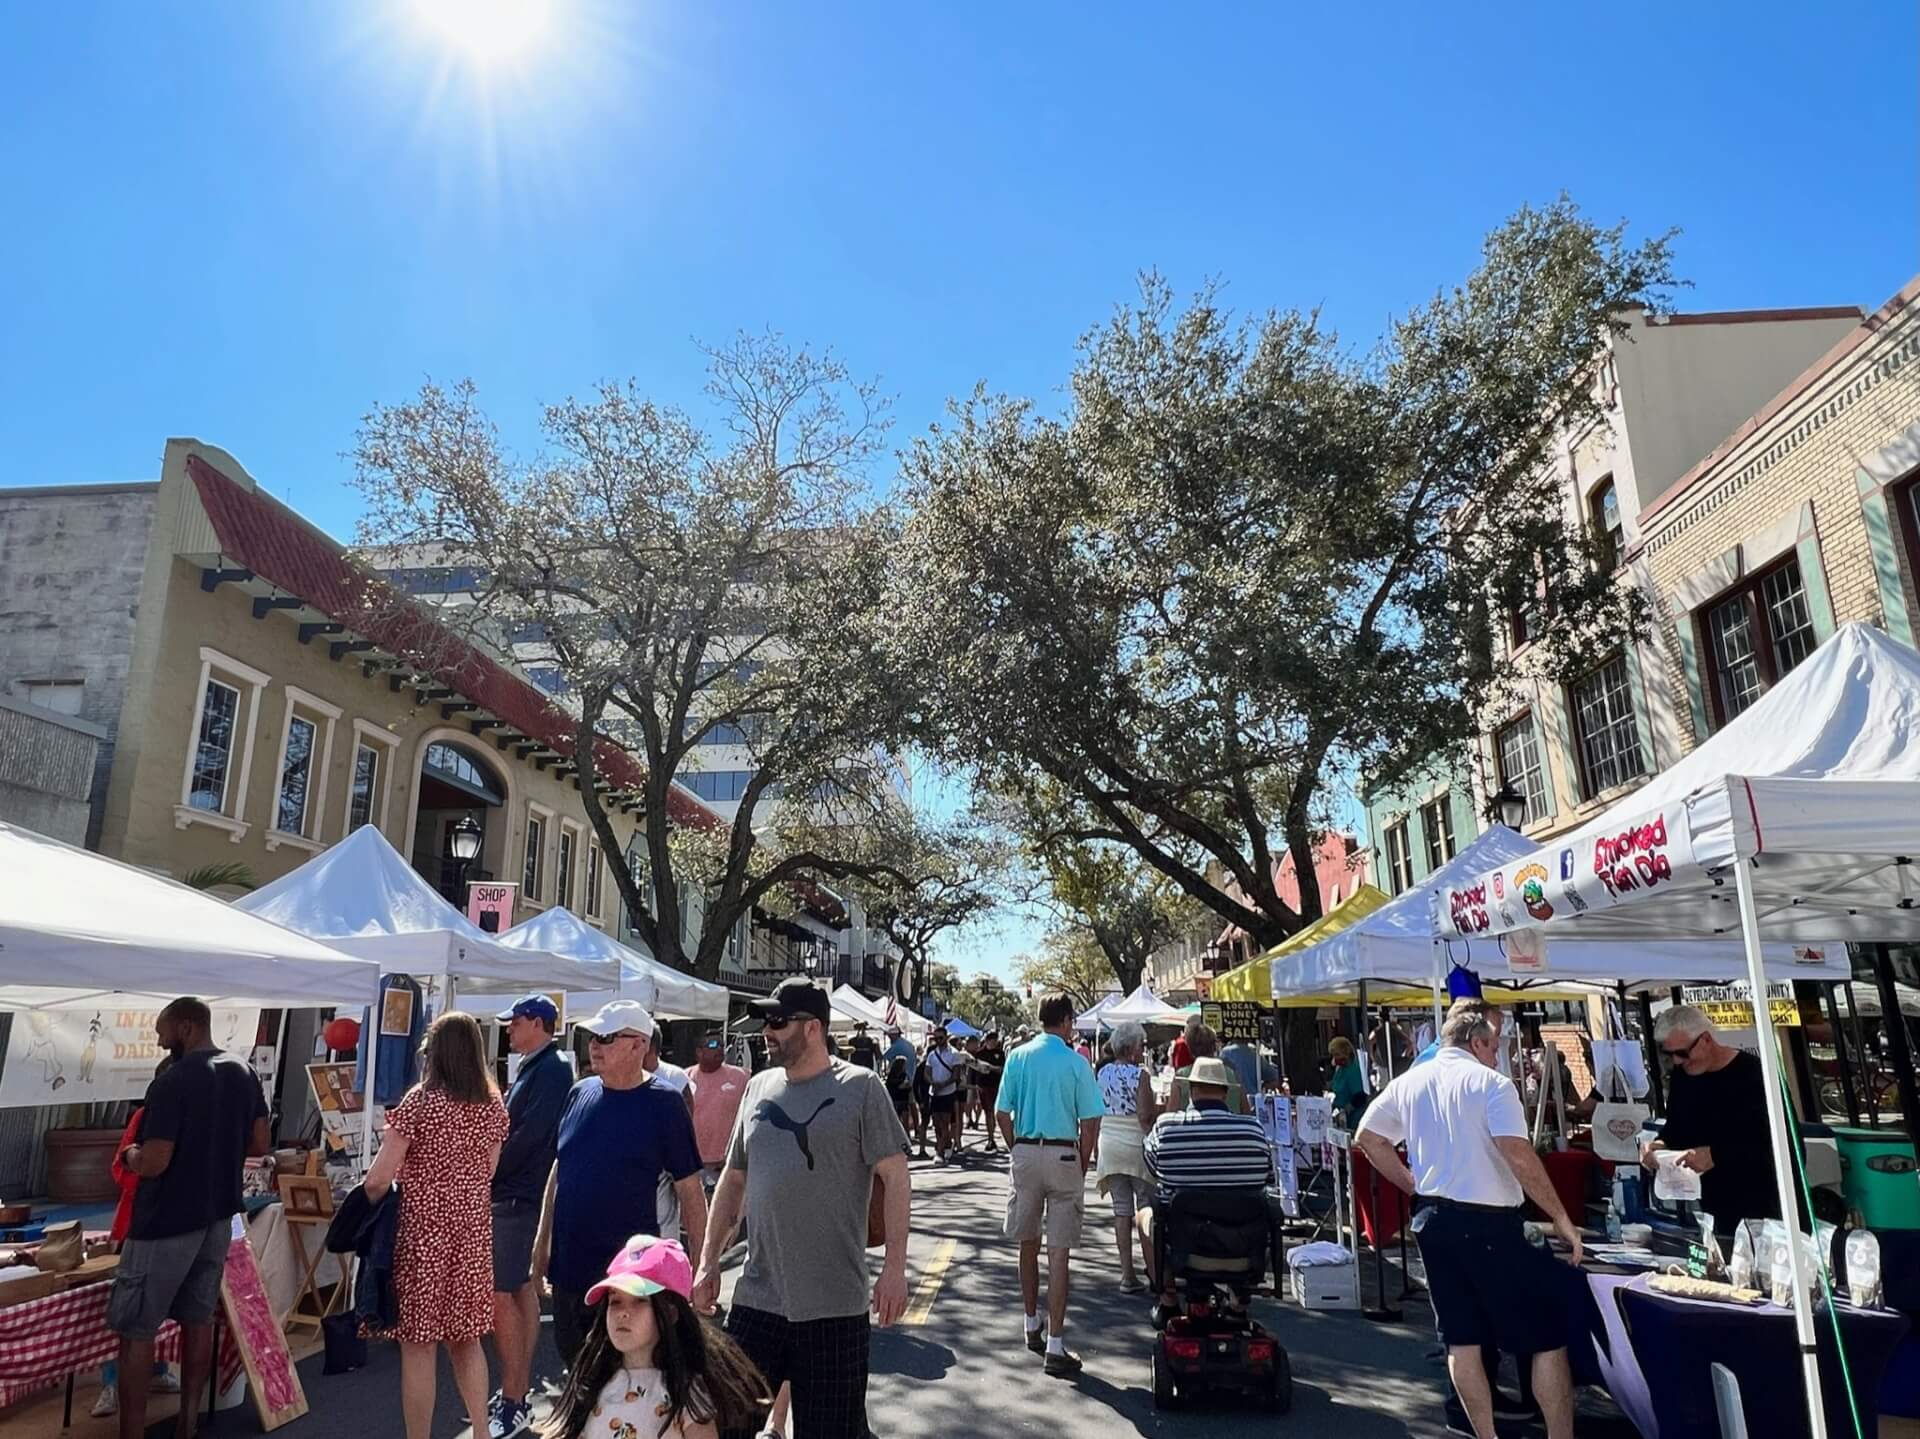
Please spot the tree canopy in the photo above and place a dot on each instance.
(1246, 563)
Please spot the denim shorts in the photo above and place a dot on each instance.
(173, 1278)
(514, 1224)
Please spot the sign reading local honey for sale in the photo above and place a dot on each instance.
(80, 1056)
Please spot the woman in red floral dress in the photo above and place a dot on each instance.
(441, 1143)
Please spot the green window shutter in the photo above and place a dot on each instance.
(1561, 750)
(1813, 575)
(1696, 679)
(1883, 539)
(1642, 716)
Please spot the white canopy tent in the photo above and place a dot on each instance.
(1401, 943)
(77, 928)
(1144, 1007)
(361, 897)
(1094, 1018)
(666, 992)
(1798, 821)
(854, 1008)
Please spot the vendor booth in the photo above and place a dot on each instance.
(668, 993)
(89, 942)
(1795, 824)
(851, 1008)
(1093, 1018)
(1254, 980)
(1143, 1006)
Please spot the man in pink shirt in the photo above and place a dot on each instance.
(717, 1088)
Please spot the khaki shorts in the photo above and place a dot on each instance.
(1046, 1195)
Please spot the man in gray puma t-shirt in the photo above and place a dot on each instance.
(811, 1138)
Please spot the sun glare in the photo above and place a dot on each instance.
(489, 31)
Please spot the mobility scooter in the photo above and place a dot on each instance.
(1216, 1248)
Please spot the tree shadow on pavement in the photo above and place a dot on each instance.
(897, 1351)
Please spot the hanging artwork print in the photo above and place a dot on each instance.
(84, 1056)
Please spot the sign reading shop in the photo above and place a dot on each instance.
(1596, 872)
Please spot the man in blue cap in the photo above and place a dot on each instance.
(534, 1103)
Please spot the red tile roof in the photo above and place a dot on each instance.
(259, 534)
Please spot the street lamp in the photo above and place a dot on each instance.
(463, 844)
(1507, 806)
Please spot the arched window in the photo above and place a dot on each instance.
(459, 767)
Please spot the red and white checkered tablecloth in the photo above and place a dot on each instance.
(45, 1340)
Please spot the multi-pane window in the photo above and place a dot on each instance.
(1399, 857)
(722, 786)
(296, 776)
(1757, 634)
(1603, 517)
(1436, 826)
(530, 870)
(563, 880)
(594, 865)
(1605, 729)
(366, 784)
(213, 751)
(1518, 752)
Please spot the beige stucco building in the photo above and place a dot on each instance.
(1670, 389)
(260, 702)
(1805, 517)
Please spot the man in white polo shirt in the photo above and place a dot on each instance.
(1469, 1163)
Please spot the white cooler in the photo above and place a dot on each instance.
(1325, 1286)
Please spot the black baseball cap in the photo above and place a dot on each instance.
(794, 998)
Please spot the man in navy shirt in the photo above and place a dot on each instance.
(619, 1131)
(534, 1103)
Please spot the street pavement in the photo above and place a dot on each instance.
(958, 1365)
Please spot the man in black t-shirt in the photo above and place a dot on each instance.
(1717, 1113)
(204, 1115)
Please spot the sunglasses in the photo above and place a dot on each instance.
(778, 1022)
(610, 1038)
(1684, 1050)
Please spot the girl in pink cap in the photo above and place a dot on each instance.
(651, 1368)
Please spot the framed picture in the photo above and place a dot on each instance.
(396, 1011)
(307, 1195)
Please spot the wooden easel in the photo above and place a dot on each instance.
(308, 1252)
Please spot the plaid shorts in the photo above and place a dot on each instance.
(824, 1359)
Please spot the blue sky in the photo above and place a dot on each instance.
(248, 222)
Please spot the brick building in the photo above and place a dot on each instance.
(1806, 517)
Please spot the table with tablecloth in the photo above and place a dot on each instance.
(1653, 1354)
(44, 1341)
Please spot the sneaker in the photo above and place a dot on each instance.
(165, 1381)
(1037, 1340)
(508, 1418)
(1063, 1365)
(1132, 1285)
(107, 1402)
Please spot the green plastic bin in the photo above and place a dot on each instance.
(1878, 1177)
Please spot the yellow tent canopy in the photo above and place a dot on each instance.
(1254, 980)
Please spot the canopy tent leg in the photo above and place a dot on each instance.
(1439, 984)
(1782, 1155)
(370, 1036)
(1899, 1050)
(1653, 1053)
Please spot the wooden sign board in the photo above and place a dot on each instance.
(271, 1377)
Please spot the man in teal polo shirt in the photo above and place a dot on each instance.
(1049, 1112)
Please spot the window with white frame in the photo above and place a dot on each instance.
(1605, 729)
(1436, 827)
(1399, 857)
(532, 868)
(306, 752)
(371, 780)
(596, 887)
(1517, 752)
(219, 758)
(563, 868)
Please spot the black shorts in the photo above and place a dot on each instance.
(1489, 1285)
(514, 1224)
(825, 1360)
(944, 1103)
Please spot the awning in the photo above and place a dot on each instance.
(1254, 980)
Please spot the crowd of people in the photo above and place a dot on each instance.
(617, 1196)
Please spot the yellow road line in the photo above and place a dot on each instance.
(928, 1289)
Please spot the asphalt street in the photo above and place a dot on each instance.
(958, 1366)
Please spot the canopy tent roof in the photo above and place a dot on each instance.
(1817, 784)
(78, 929)
(1254, 980)
(1094, 1016)
(958, 1028)
(666, 992)
(363, 899)
(855, 1008)
(1399, 943)
(1144, 1007)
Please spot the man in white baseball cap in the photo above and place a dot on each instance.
(619, 1132)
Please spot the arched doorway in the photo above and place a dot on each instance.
(456, 781)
